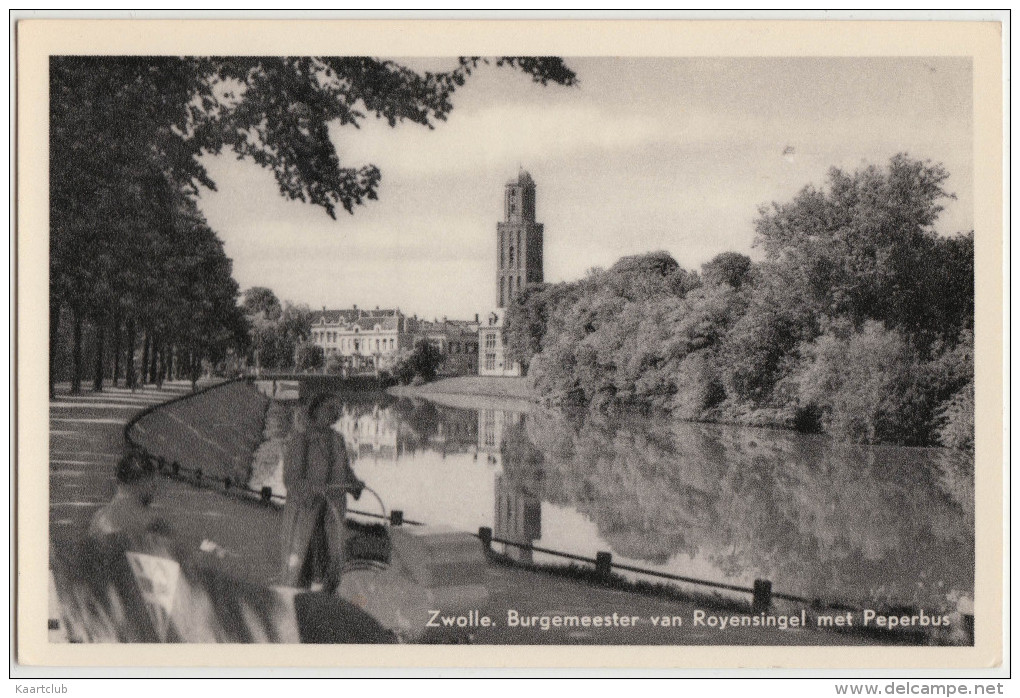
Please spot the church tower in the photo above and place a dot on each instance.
(518, 241)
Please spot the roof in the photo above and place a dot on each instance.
(365, 319)
(523, 179)
(447, 327)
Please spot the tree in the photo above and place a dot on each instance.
(295, 327)
(423, 362)
(309, 357)
(273, 110)
(730, 268)
(866, 249)
(259, 300)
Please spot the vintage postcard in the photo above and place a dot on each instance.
(622, 344)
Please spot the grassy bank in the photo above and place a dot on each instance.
(474, 392)
(216, 431)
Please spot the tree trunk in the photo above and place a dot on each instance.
(161, 366)
(116, 350)
(144, 373)
(129, 355)
(153, 358)
(97, 373)
(54, 336)
(170, 362)
(76, 356)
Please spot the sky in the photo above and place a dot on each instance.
(643, 154)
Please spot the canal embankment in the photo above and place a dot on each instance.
(215, 431)
(474, 392)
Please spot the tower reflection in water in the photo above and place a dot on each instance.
(517, 514)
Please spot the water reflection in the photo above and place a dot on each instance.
(866, 524)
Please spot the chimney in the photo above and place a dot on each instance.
(355, 306)
(476, 317)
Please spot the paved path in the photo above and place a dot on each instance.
(86, 439)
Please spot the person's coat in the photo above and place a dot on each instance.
(317, 474)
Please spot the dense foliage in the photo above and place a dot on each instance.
(858, 321)
(278, 333)
(421, 364)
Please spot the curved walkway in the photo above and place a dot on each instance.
(86, 439)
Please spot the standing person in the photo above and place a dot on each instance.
(318, 476)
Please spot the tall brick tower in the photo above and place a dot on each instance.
(518, 241)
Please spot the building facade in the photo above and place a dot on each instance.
(492, 359)
(520, 261)
(362, 339)
(456, 340)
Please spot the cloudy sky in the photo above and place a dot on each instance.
(645, 154)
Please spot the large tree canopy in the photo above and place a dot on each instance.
(111, 111)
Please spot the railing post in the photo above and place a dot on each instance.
(396, 517)
(603, 565)
(968, 627)
(267, 494)
(485, 535)
(762, 600)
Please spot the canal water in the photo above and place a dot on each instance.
(875, 526)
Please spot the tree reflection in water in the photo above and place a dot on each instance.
(867, 524)
(861, 524)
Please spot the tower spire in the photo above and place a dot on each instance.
(519, 240)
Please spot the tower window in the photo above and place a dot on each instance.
(511, 255)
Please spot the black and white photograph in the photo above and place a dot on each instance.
(489, 350)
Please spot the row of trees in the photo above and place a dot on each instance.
(858, 322)
(131, 256)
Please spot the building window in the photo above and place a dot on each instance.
(490, 340)
(511, 255)
(490, 362)
(500, 291)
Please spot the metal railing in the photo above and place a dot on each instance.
(196, 477)
(761, 592)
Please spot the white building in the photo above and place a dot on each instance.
(363, 339)
(491, 358)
